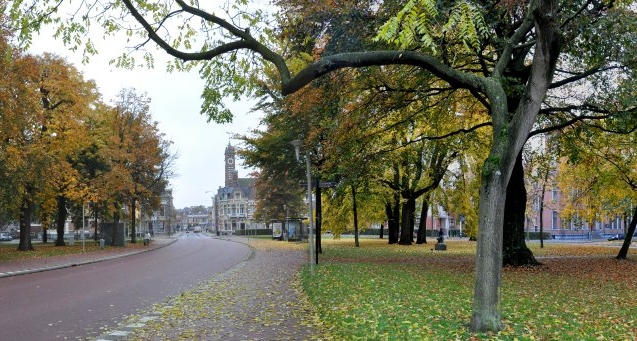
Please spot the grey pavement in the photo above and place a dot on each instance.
(259, 299)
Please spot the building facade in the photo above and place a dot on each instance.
(234, 204)
(163, 220)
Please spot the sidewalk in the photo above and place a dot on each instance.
(27, 266)
(259, 299)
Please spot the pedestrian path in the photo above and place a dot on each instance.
(259, 299)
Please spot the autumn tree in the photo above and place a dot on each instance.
(141, 155)
(24, 159)
(461, 184)
(541, 159)
(278, 191)
(599, 177)
(66, 98)
(505, 54)
(92, 168)
(98, 169)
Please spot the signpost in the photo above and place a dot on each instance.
(322, 184)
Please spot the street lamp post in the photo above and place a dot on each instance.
(287, 221)
(83, 227)
(297, 149)
(168, 217)
(213, 216)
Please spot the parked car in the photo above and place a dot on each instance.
(5, 237)
(617, 237)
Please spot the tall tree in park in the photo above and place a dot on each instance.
(23, 159)
(462, 182)
(421, 168)
(540, 160)
(376, 105)
(65, 99)
(461, 191)
(142, 159)
(398, 121)
(270, 151)
(600, 179)
(498, 36)
(93, 167)
(98, 169)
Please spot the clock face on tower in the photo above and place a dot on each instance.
(229, 160)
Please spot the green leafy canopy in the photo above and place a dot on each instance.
(419, 23)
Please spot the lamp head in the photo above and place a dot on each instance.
(297, 148)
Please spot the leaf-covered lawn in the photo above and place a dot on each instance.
(394, 292)
(8, 251)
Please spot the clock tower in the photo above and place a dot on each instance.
(232, 177)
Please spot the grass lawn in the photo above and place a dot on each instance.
(8, 251)
(395, 292)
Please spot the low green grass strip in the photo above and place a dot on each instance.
(394, 292)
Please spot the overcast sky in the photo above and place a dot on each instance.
(175, 105)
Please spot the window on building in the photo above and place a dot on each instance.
(555, 193)
(237, 195)
(536, 203)
(555, 221)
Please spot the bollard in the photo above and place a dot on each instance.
(102, 243)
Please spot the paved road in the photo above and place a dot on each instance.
(80, 302)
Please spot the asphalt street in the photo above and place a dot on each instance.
(80, 302)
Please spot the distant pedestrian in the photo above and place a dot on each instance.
(441, 236)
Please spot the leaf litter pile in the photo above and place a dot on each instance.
(395, 292)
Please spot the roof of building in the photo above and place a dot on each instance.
(246, 186)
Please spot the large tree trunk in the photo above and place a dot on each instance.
(509, 135)
(95, 216)
(25, 225)
(116, 219)
(545, 180)
(319, 220)
(133, 238)
(393, 211)
(407, 220)
(422, 226)
(45, 234)
(541, 212)
(515, 251)
(389, 216)
(486, 306)
(60, 220)
(355, 211)
(393, 217)
(623, 252)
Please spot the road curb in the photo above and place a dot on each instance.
(72, 264)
